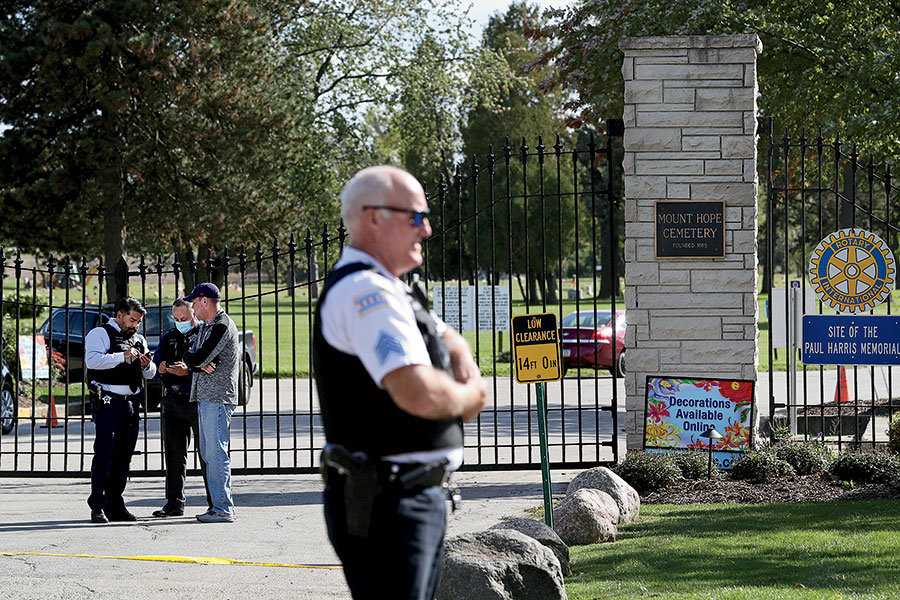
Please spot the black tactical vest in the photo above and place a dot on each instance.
(124, 373)
(172, 347)
(359, 415)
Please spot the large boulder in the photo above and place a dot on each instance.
(601, 478)
(499, 565)
(542, 533)
(586, 517)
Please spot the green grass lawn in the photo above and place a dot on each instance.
(844, 549)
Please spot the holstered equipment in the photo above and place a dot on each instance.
(364, 477)
(100, 397)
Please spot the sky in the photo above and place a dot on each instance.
(482, 9)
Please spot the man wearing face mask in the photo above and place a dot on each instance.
(118, 361)
(179, 414)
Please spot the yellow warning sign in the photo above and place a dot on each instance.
(536, 347)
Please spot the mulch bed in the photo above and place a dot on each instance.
(808, 488)
(882, 407)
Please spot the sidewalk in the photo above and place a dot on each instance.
(279, 520)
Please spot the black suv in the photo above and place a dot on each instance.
(66, 327)
(8, 404)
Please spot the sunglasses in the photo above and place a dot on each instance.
(416, 217)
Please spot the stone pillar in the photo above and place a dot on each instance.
(690, 134)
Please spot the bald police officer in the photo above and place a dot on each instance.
(395, 384)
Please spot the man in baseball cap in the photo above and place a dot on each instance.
(204, 290)
(213, 358)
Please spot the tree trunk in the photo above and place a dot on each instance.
(533, 289)
(204, 269)
(551, 291)
(521, 289)
(113, 188)
(114, 244)
(186, 257)
(314, 280)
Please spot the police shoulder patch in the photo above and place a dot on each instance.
(387, 345)
(370, 302)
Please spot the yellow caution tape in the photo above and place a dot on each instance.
(199, 560)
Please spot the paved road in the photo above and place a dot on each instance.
(278, 521)
(280, 426)
(269, 433)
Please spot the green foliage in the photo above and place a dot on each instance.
(26, 307)
(866, 467)
(760, 465)
(694, 465)
(201, 123)
(806, 458)
(893, 432)
(648, 471)
(823, 64)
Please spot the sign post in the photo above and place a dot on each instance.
(536, 356)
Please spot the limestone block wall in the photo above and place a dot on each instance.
(690, 134)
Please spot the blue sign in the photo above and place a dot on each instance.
(851, 340)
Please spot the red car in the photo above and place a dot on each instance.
(586, 339)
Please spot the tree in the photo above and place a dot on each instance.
(122, 117)
(194, 125)
(830, 65)
(496, 207)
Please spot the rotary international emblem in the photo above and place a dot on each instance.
(852, 270)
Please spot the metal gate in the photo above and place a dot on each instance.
(817, 186)
(528, 230)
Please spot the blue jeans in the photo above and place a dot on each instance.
(215, 421)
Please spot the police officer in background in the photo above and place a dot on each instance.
(395, 384)
(118, 361)
(179, 414)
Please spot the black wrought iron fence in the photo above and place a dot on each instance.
(528, 230)
(816, 187)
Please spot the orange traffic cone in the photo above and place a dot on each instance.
(52, 420)
(842, 390)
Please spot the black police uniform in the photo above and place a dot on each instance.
(387, 532)
(179, 418)
(117, 420)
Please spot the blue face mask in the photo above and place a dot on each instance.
(183, 326)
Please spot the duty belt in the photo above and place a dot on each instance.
(364, 478)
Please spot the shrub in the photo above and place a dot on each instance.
(693, 465)
(760, 465)
(893, 444)
(859, 466)
(648, 471)
(806, 458)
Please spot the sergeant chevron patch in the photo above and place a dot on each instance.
(387, 345)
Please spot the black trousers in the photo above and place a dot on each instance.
(179, 419)
(401, 557)
(117, 425)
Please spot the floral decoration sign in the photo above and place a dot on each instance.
(33, 361)
(677, 410)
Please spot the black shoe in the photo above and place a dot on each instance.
(169, 511)
(122, 515)
(97, 516)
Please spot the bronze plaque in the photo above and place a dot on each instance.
(686, 229)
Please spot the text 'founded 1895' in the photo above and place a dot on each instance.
(536, 347)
